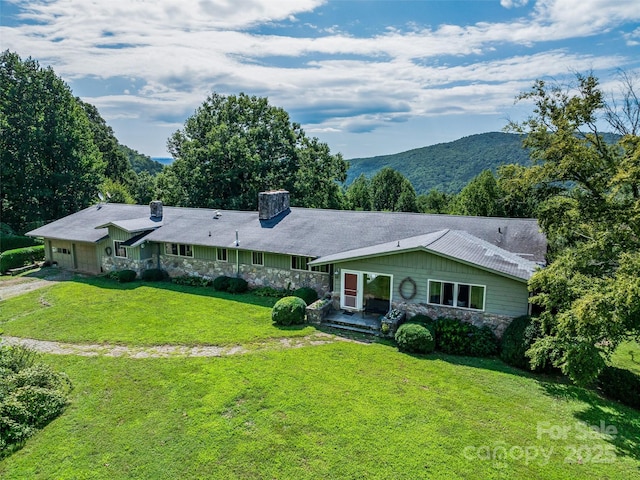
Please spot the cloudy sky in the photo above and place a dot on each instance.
(367, 77)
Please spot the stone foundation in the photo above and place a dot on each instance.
(497, 323)
(318, 310)
(256, 276)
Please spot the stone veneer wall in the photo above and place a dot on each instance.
(497, 323)
(112, 263)
(256, 276)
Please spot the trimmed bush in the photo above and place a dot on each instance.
(20, 257)
(126, 276)
(456, 337)
(308, 294)
(154, 275)
(517, 339)
(237, 285)
(13, 242)
(221, 284)
(415, 338)
(620, 384)
(289, 311)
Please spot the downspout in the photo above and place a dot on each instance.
(237, 256)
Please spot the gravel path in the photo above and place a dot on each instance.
(20, 285)
(170, 351)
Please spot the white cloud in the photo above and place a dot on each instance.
(180, 51)
(513, 3)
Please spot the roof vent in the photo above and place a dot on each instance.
(156, 209)
(272, 203)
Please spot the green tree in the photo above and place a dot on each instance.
(590, 292)
(481, 197)
(358, 195)
(117, 164)
(143, 190)
(233, 147)
(49, 162)
(435, 201)
(391, 191)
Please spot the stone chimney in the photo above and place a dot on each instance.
(272, 203)
(156, 209)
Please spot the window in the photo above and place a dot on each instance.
(119, 249)
(321, 269)
(257, 258)
(299, 263)
(456, 294)
(178, 249)
(65, 251)
(221, 254)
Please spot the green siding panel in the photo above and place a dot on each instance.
(504, 296)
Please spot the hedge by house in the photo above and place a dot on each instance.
(31, 395)
(517, 339)
(20, 257)
(12, 242)
(456, 337)
(308, 294)
(289, 311)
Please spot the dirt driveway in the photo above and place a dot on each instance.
(33, 281)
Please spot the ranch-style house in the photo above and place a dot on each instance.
(472, 268)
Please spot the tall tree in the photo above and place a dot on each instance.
(235, 146)
(435, 201)
(481, 197)
(591, 290)
(358, 194)
(50, 165)
(391, 191)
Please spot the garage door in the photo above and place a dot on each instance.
(86, 258)
(61, 254)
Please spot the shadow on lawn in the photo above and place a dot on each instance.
(248, 297)
(600, 413)
(597, 409)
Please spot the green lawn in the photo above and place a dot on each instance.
(334, 411)
(627, 356)
(101, 311)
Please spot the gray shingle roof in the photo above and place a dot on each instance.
(449, 243)
(299, 231)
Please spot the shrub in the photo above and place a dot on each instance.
(192, 281)
(20, 257)
(517, 339)
(461, 338)
(269, 292)
(31, 395)
(154, 275)
(237, 285)
(415, 338)
(126, 276)
(221, 284)
(620, 384)
(13, 242)
(484, 342)
(289, 311)
(308, 294)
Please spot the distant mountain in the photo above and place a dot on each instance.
(447, 166)
(140, 162)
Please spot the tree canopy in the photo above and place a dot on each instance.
(49, 161)
(233, 147)
(590, 292)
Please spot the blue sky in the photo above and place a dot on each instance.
(367, 77)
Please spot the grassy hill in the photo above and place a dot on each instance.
(447, 166)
